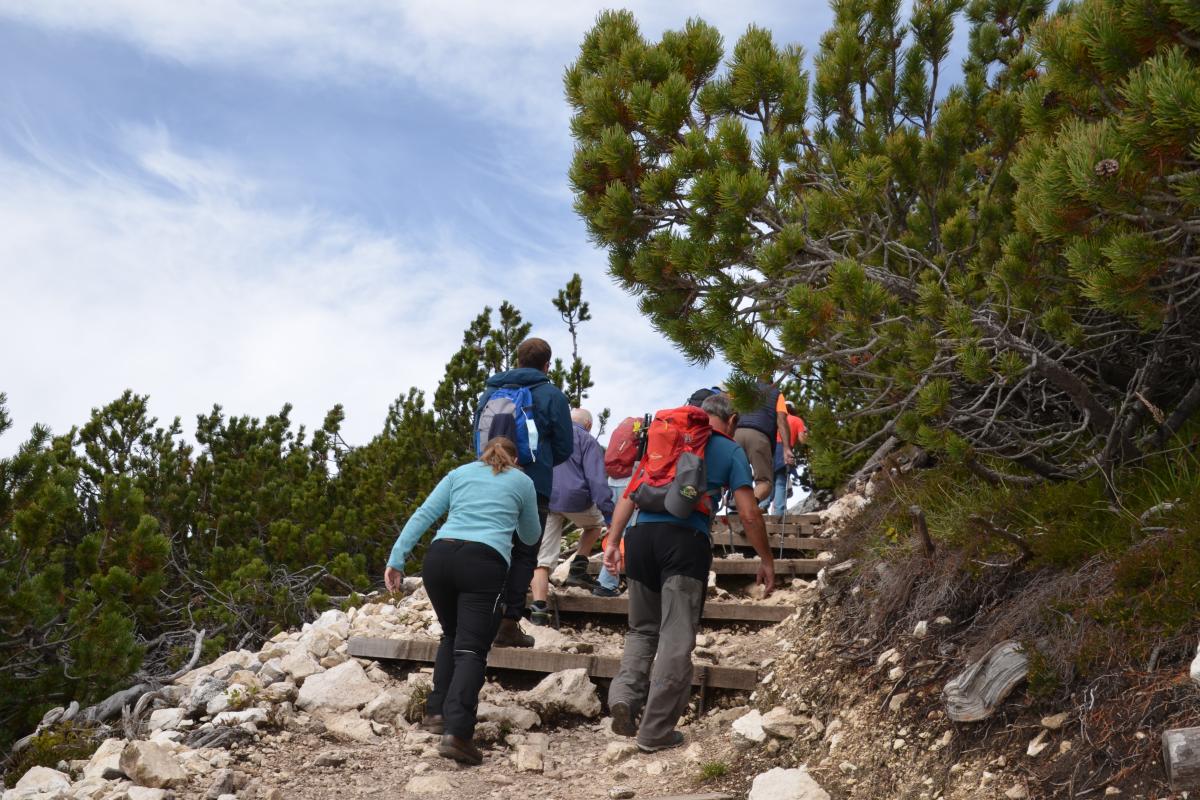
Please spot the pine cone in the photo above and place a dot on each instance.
(1107, 168)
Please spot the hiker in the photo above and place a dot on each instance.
(581, 497)
(797, 434)
(463, 573)
(525, 406)
(756, 434)
(698, 397)
(667, 559)
(621, 459)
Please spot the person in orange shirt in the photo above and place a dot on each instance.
(756, 434)
(797, 434)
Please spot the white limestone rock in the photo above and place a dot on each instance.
(202, 691)
(272, 672)
(388, 704)
(619, 751)
(258, 716)
(516, 718)
(106, 761)
(346, 687)
(749, 728)
(781, 723)
(567, 692)
(300, 665)
(786, 784)
(334, 620)
(281, 692)
(152, 764)
(145, 793)
(166, 719)
(37, 782)
(234, 694)
(530, 755)
(349, 727)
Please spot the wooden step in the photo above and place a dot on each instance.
(799, 567)
(728, 538)
(528, 660)
(789, 525)
(713, 611)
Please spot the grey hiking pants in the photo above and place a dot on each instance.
(664, 613)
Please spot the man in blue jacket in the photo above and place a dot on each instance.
(581, 496)
(552, 416)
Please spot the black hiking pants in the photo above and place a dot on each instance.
(464, 581)
(524, 562)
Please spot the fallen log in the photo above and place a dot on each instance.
(975, 692)
(1181, 758)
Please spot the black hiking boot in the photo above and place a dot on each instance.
(460, 750)
(578, 576)
(604, 591)
(540, 614)
(672, 739)
(511, 635)
(623, 723)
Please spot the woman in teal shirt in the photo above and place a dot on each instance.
(464, 573)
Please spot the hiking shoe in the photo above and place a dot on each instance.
(540, 616)
(433, 723)
(580, 579)
(623, 723)
(604, 591)
(672, 739)
(511, 635)
(460, 750)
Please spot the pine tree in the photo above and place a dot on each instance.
(576, 381)
(120, 539)
(856, 227)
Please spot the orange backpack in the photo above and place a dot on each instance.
(671, 476)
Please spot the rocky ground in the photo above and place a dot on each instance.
(301, 719)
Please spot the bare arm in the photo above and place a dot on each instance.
(785, 437)
(616, 530)
(756, 533)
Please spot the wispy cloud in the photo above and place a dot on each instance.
(175, 280)
(504, 60)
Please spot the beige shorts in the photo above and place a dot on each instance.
(552, 536)
(761, 452)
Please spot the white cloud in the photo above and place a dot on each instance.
(504, 59)
(180, 283)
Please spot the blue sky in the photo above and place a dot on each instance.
(229, 204)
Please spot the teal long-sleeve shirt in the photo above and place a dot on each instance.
(483, 507)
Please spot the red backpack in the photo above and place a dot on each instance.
(672, 477)
(625, 446)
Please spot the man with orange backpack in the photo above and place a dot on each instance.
(689, 460)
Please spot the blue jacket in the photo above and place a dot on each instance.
(551, 414)
(581, 480)
(482, 506)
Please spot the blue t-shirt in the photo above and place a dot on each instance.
(727, 467)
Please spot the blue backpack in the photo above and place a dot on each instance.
(508, 412)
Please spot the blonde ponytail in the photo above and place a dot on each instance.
(499, 454)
